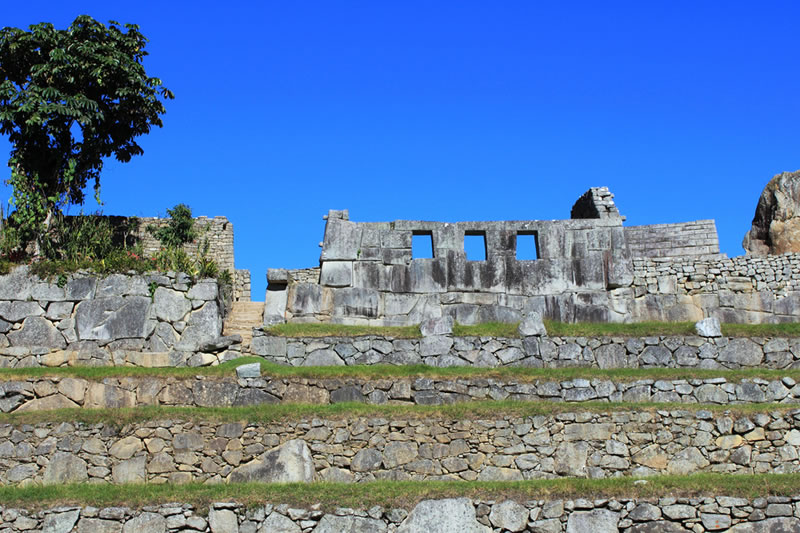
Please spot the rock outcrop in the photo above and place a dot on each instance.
(776, 224)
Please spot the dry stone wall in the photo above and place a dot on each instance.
(773, 514)
(117, 319)
(217, 231)
(539, 352)
(46, 393)
(358, 449)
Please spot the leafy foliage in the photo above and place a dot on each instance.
(68, 99)
(179, 230)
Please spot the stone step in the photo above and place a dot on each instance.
(244, 316)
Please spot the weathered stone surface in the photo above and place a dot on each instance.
(336, 274)
(203, 325)
(220, 343)
(509, 516)
(612, 356)
(349, 524)
(60, 522)
(596, 521)
(443, 516)
(660, 526)
(129, 471)
(37, 331)
(146, 523)
(776, 224)
(570, 458)
(770, 525)
(532, 325)
(112, 318)
(323, 358)
(98, 525)
(740, 353)
(223, 521)
(278, 523)
(288, 463)
(268, 345)
(366, 460)
(170, 305)
(55, 401)
(65, 468)
(437, 326)
(347, 394)
(251, 370)
(708, 327)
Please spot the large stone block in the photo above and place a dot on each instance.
(290, 462)
(204, 324)
(456, 515)
(169, 305)
(37, 331)
(336, 274)
(112, 318)
(305, 299)
(596, 521)
(342, 241)
(355, 302)
(741, 353)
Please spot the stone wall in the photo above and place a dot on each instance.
(241, 285)
(106, 320)
(359, 449)
(46, 393)
(218, 231)
(772, 514)
(547, 352)
(747, 289)
(586, 269)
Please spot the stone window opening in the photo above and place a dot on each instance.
(422, 245)
(527, 246)
(475, 245)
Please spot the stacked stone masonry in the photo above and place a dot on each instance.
(586, 269)
(148, 320)
(46, 393)
(360, 449)
(540, 352)
(217, 232)
(774, 514)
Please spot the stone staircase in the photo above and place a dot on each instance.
(243, 318)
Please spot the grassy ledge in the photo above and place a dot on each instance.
(399, 494)
(264, 414)
(376, 372)
(555, 329)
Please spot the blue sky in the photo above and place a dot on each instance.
(452, 111)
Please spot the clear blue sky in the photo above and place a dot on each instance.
(452, 111)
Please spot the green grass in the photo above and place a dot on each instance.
(265, 414)
(399, 494)
(374, 372)
(340, 330)
(554, 329)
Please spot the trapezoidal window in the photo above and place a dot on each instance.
(475, 245)
(527, 246)
(422, 245)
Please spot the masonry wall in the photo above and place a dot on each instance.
(47, 393)
(149, 320)
(607, 515)
(359, 449)
(537, 352)
(688, 239)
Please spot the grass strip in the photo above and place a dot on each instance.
(376, 372)
(399, 494)
(554, 329)
(264, 414)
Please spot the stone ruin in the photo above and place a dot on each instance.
(587, 268)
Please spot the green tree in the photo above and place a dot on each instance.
(68, 99)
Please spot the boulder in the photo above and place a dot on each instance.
(708, 327)
(278, 523)
(146, 523)
(454, 515)
(532, 325)
(204, 325)
(509, 516)
(170, 305)
(290, 462)
(776, 224)
(223, 521)
(58, 522)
